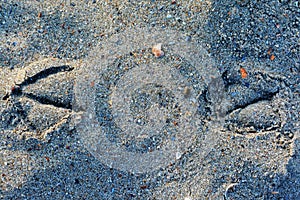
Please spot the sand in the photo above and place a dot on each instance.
(244, 142)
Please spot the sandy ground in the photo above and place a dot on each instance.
(53, 56)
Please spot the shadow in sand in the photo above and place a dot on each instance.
(243, 30)
(29, 31)
(76, 174)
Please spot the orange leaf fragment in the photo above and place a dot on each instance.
(243, 72)
(92, 84)
(272, 57)
(269, 51)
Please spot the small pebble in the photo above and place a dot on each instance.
(156, 50)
